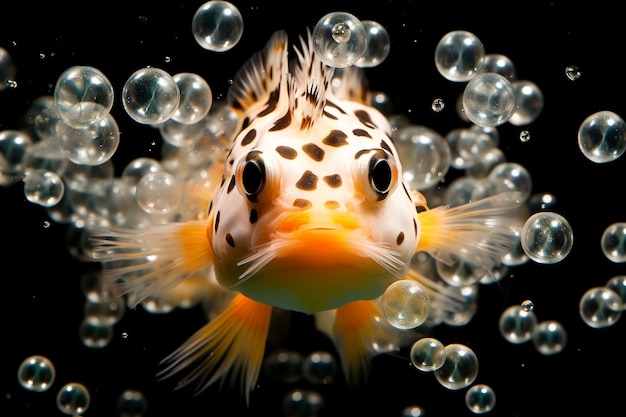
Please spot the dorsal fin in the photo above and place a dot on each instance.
(310, 84)
(264, 77)
(350, 84)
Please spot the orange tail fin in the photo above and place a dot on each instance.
(228, 348)
(145, 262)
(360, 332)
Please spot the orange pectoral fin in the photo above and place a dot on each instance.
(144, 263)
(228, 348)
(361, 332)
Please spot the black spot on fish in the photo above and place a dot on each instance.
(330, 115)
(271, 103)
(315, 152)
(386, 146)
(307, 182)
(400, 238)
(361, 133)
(254, 216)
(364, 117)
(286, 152)
(333, 181)
(231, 184)
(335, 138)
(249, 137)
(415, 227)
(302, 203)
(217, 221)
(230, 240)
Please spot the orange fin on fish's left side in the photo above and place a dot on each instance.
(227, 349)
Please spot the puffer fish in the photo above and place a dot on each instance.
(312, 216)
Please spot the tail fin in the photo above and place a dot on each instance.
(143, 263)
(228, 348)
(359, 331)
(480, 232)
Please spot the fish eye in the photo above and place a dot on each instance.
(254, 176)
(378, 170)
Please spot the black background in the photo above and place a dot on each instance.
(40, 297)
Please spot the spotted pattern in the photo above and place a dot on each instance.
(333, 181)
(249, 137)
(230, 240)
(400, 238)
(335, 138)
(254, 216)
(308, 181)
(217, 221)
(231, 184)
(313, 151)
(365, 118)
(287, 152)
(302, 203)
(331, 204)
(281, 123)
(361, 133)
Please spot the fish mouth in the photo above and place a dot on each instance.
(309, 223)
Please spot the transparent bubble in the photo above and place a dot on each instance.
(473, 144)
(284, 365)
(547, 237)
(73, 399)
(181, 134)
(95, 335)
(437, 105)
(500, 64)
(131, 403)
(572, 72)
(480, 399)
(462, 191)
(489, 99)
(549, 337)
(217, 25)
(136, 169)
(13, 147)
(382, 102)
(600, 307)
(613, 242)
(602, 137)
(319, 368)
(459, 55)
(618, 284)
(428, 354)
(94, 286)
(460, 368)
(150, 96)
(83, 95)
(107, 312)
(339, 39)
(413, 411)
(424, 154)
(405, 304)
(158, 192)
(510, 176)
(45, 188)
(517, 323)
(302, 403)
(459, 273)
(196, 98)
(36, 373)
(377, 46)
(93, 144)
(528, 103)
(528, 305)
(8, 69)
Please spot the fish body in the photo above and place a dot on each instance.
(311, 215)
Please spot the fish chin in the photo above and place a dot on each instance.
(321, 268)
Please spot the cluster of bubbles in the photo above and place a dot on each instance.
(518, 324)
(37, 373)
(64, 161)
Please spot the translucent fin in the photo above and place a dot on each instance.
(360, 332)
(480, 232)
(350, 84)
(229, 348)
(143, 263)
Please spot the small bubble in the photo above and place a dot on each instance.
(46, 224)
(42, 55)
(572, 72)
(124, 335)
(438, 105)
(341, 32)
(11, 83)
(528, 305)
(524, 136)
(168, 58)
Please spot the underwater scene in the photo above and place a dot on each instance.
(275, 208)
